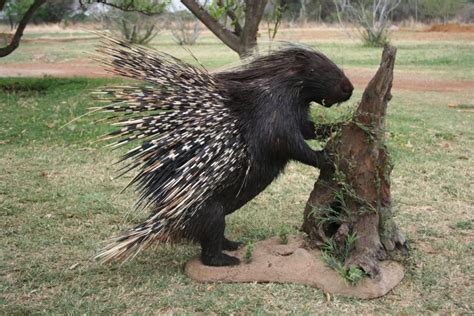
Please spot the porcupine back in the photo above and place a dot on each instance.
(189, 141)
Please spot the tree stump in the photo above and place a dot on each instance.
(350, 207)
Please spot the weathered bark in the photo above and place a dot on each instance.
(253, 16)
(355, 198)
(225, 35)
(15, 41)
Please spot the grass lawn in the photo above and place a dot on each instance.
(59, 201)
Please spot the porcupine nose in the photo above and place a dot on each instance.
(347, 87)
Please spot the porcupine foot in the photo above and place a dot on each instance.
(220, 260)
(231, 245)
(212, 255)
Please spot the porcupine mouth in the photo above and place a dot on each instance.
(328, 105)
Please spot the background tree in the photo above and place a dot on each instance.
(14, 11)
(442, 9)
(24, 16)
(274, 17)
(240, 34)
(316, 11)
(234, 22)
(54, 11)
(372, 17)
(134, 26)
(408, 9)
(184, 27)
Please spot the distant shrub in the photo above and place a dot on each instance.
(184, 27)
(132, 24)
(371, 16)
(133, 27)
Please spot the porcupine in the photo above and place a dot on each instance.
(210, 142)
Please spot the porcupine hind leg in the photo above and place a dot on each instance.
(209, 227)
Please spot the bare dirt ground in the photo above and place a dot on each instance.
(359, 77)
(452, 28)
(437, 32)
(406, 80)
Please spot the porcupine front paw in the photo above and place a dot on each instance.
(231, 245)
(220, 260)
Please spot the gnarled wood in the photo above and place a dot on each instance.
(355, 198)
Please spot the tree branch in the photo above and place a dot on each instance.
(2, 4)
(15, 42)
(226, 36)
(233, 17)
(128, 7)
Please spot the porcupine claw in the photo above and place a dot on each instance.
(220, 260)
(231, 245)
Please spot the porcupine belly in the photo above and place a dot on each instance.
(260, 176)
(232, 198)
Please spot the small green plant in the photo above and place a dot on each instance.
(464, 225)
(326, 215)
(249, 252)
(354, 275)
(283, 234)
(373, 37)
(335, 259)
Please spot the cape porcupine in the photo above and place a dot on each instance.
(212, 142)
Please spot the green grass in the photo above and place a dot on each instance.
(59, 201)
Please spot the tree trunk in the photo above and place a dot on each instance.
(253, 16)
(244, 39)
(15, 41)
(226, 36)
(354, 199)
